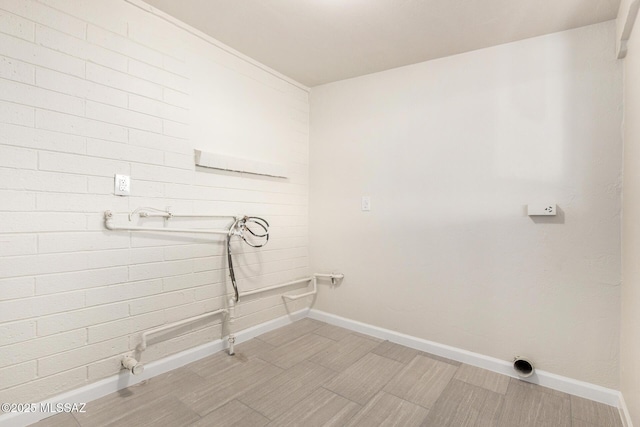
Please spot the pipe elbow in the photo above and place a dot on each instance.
(108, 218)
(132, 365)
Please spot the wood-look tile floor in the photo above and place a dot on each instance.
(313, 374)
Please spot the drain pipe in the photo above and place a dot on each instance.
(143, 345)
(134, 366)
(232, 317)
(523, 367)
(232, 302)
(314, 281)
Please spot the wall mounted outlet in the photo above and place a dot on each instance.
(541, 209)
(122, 185)
(366, 203)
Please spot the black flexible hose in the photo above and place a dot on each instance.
(231, 272)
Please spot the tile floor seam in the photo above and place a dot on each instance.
(389, 358)
(300, 362)
(338, 394)
(307, 393)
(571, 411)
(197, 374)
(254, 409)
(353, 363)
(382, 390)
(320, 335)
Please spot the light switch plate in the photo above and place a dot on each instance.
(366, 203)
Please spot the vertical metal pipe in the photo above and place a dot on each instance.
(232, 316)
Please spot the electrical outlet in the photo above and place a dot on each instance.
(122, 185)
(541, 209)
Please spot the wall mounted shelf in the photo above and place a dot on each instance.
(235, 164)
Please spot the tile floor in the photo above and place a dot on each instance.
(313, 374)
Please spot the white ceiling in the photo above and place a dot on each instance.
(320, 41)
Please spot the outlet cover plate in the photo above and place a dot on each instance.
(366, 203)
(547, 209)
(122, 185)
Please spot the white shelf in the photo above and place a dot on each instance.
(235, 164)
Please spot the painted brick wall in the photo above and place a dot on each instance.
(93, 88)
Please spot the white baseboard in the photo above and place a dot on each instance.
(624, 412)
(124, 379)
(546, 379)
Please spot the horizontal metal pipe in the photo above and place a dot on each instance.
(143, 344)
(306, 294)
(113, 227)
(295, 297)
(335, 276)
(270, 288)
(172, 215)
(306, 279)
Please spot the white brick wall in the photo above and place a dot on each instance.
(91, 89)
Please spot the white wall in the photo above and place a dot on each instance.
(630, 340)
(93, 88)
(450, 152)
